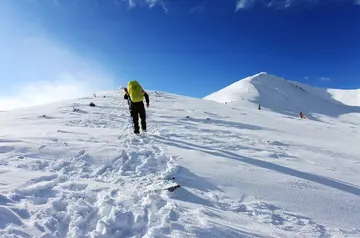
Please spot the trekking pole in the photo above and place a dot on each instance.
(128, 100)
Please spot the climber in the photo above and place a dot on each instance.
(135, 94)
(301, 115)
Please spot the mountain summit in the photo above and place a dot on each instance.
(246, 88)
(285, 96)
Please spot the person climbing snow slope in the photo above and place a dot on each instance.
(135, 94)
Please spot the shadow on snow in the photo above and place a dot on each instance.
(225, 123)
(333, 183)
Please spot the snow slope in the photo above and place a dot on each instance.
(347, 97)
(289, 97)
(242, 172)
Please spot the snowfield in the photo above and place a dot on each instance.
(242, 172)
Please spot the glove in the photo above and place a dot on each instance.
(147, 105)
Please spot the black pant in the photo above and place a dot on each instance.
(137, 109)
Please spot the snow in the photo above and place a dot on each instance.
(289, 97)
(242, 172)
(348, 97)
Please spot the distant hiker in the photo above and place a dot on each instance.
(135, 94)
(301, 115)
(259, 107)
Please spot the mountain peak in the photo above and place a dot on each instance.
(246, 88)
(264, 76)
(281, 95)
(261, 73)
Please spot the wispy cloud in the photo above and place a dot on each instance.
(327, 79)
(196, 7)
(199, 9)
(35, 69)
(245, 4)
(43, 92)
(147, 3)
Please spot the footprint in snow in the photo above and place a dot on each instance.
(280, 218)
(8, 217)
(73, 186)
(42, 147)
(6, 149)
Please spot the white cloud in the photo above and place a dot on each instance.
(148, 3)
(35, 69)
(281, 4)
(240, 4)
(243, 4)
(66, 86)
(325, 79)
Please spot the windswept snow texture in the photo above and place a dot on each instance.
(243, 172)
(289, 98)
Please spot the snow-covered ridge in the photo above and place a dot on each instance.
(349, 97)
(283, 95)
(71, 170)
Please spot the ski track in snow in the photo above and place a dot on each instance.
(89, 176)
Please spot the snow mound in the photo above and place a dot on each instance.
(288, 97)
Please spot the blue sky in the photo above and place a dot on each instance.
(69, 48)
